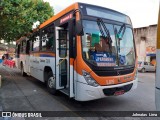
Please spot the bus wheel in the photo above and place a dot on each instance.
(51, 83)
(22, 70)
(143, 70)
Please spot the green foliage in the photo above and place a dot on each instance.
(18, 16)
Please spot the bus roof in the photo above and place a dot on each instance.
(72, 7)
(23, 37)
(63, 12)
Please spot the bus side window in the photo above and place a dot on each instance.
(36, 41)
(24, 46)
(17, 50)
(48, 41)
(31, 45)
(28, 47)
(21, 47)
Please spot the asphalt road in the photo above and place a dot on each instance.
(28, 94)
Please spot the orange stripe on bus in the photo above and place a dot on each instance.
(44, 53)
(65, 11)
(115, 79)
(72, 61)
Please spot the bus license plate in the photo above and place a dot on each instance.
(119, 92)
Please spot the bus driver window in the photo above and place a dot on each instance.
(104, 44)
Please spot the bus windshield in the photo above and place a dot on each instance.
(107, 14)
(96, 48)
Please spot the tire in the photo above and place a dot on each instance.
(22, 71)
(143, 70)
(51, 83)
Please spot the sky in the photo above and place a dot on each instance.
(142, 12)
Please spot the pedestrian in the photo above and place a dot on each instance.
(3, 59)
(6, 56)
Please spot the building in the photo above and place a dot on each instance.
(145, 38)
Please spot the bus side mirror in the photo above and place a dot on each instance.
(71, 28)
(72, 38)
(79, 28)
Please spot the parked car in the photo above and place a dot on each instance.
(145, 66)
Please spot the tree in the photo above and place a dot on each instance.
(18, 16)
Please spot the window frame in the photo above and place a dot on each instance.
(37, 33)
(53, 46)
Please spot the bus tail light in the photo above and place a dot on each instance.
(89, 79)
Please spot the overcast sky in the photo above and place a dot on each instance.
(142, 12)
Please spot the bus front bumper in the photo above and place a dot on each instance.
(86, 92)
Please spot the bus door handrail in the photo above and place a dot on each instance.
(61, 61)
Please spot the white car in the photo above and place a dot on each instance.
(145, 66)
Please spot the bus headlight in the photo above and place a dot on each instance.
(89, 79)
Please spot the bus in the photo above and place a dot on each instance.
(87, 52)
(157, 84)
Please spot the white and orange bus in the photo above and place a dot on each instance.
(85, 51)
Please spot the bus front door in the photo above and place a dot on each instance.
(62, 61)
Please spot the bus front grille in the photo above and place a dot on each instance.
(114, 72)
(112, 91)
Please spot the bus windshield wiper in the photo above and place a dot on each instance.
(104, 31)
(119, 34)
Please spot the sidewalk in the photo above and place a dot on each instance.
(5, 89)
(25, 94)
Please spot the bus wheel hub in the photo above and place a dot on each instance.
(51, 82)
